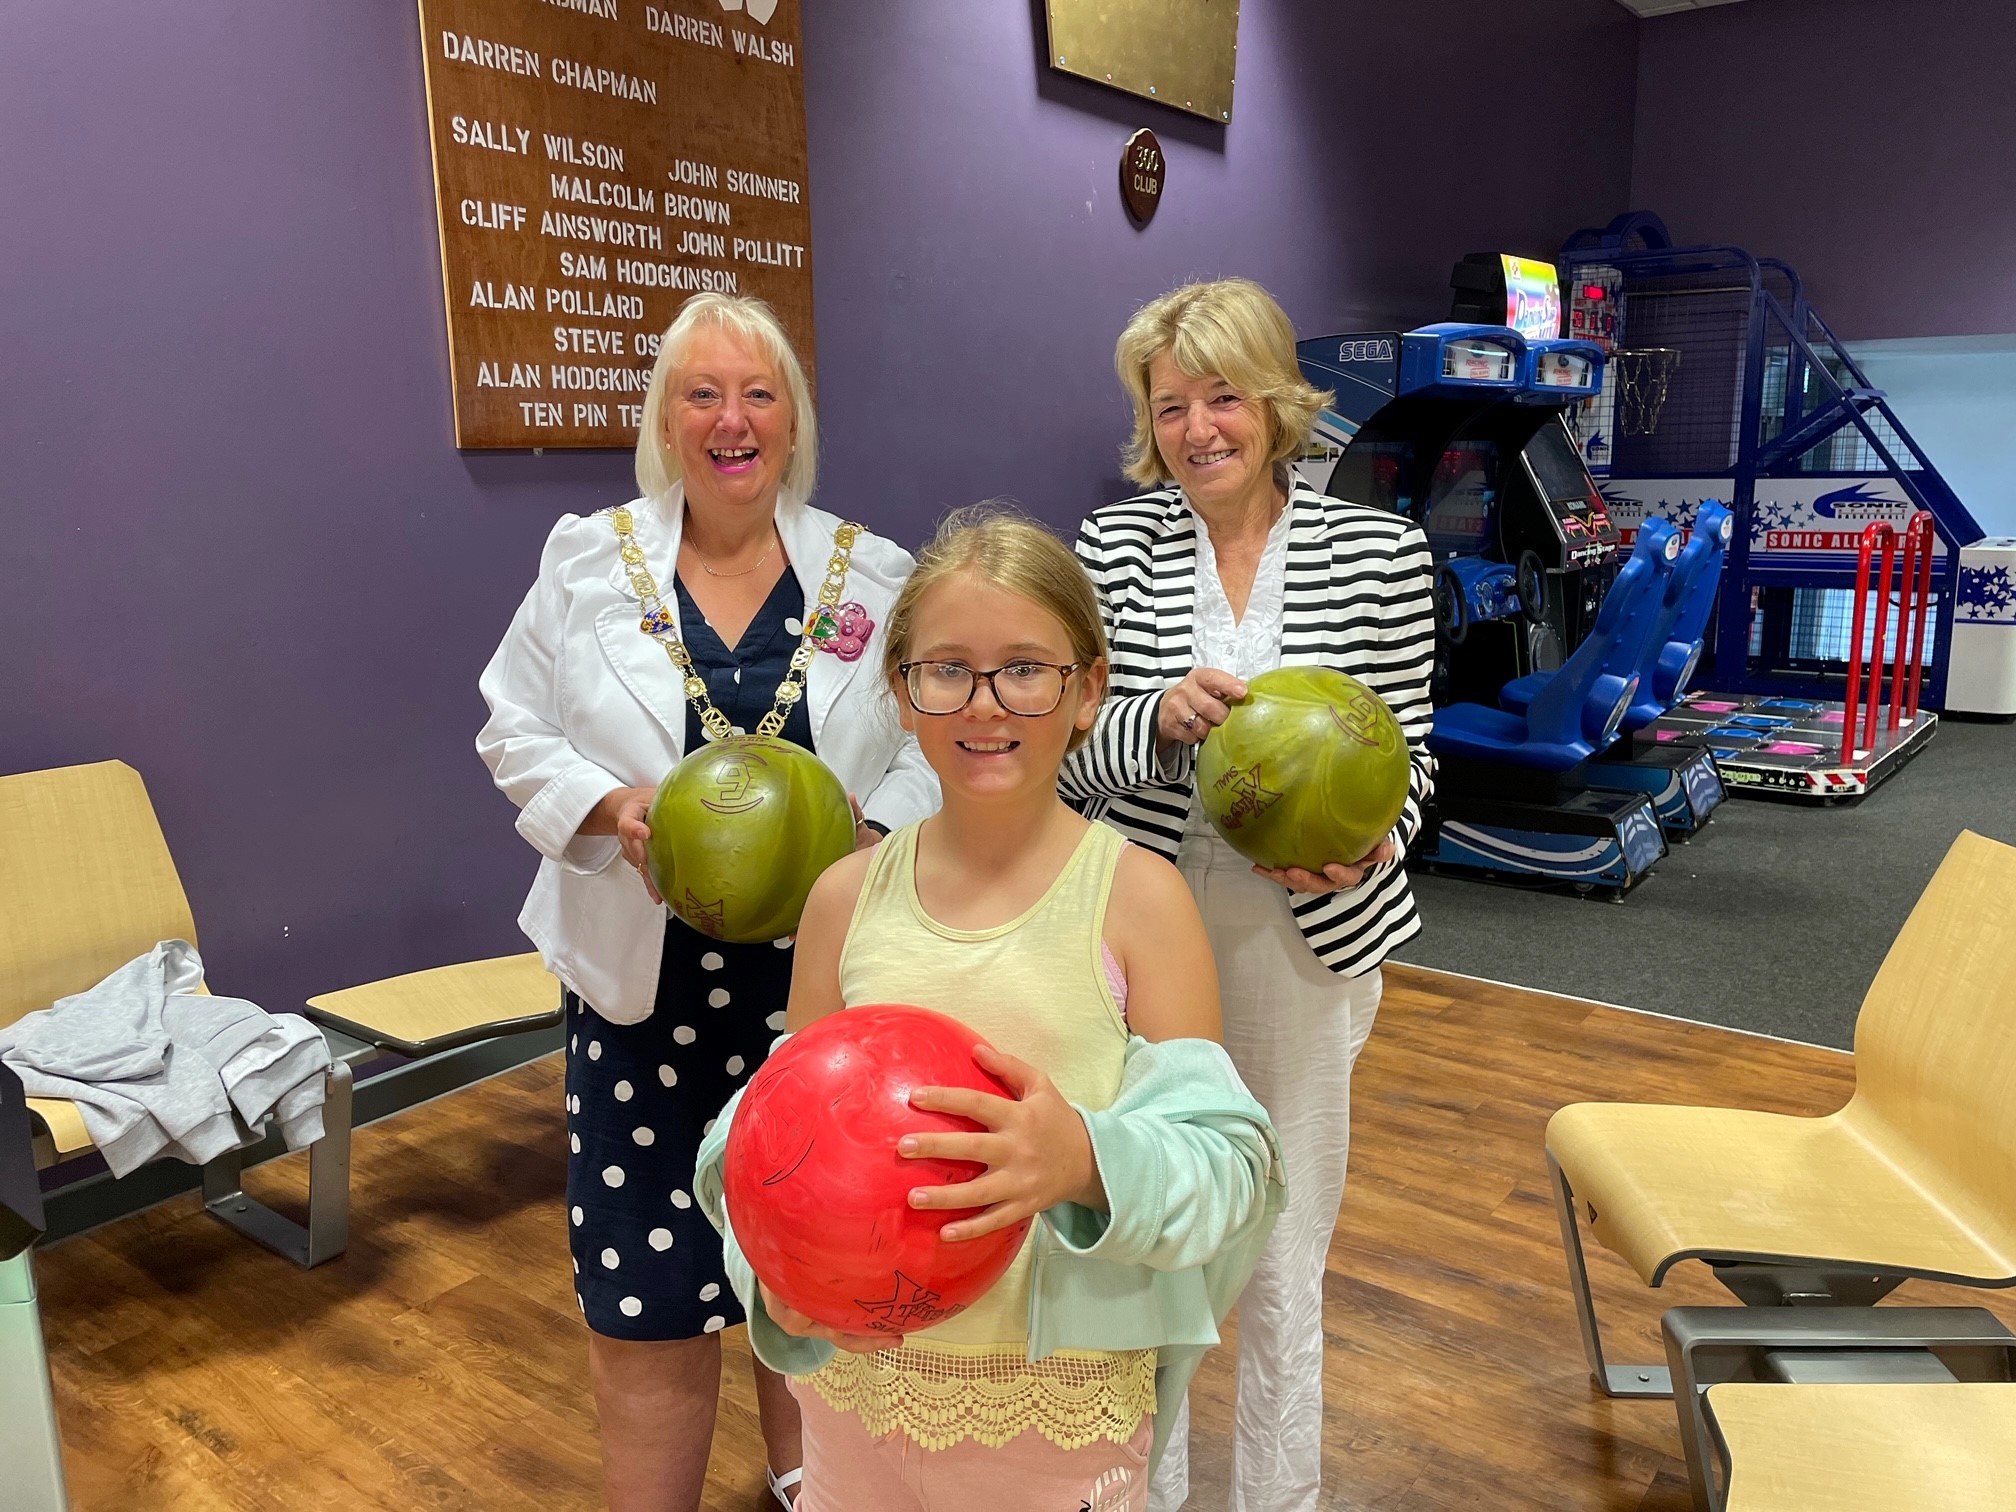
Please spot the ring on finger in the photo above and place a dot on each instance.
(1189, 721)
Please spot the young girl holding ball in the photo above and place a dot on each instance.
(1150, 1171)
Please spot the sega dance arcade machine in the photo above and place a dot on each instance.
(1545, 644)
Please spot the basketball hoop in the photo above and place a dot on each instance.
(1643, 374)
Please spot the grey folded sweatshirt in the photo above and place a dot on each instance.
(157, 1068)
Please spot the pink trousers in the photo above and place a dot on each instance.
(848, 1470)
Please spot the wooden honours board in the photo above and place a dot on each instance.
(596, 162)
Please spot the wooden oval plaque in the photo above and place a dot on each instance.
(1142, 168)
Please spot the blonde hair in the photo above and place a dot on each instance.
(1230, 329)
(1000, 545)
(755, 324)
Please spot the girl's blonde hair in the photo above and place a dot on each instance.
(757, 326)
(1230, 329)
(1000, 545)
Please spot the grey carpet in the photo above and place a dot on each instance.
(1774, 919)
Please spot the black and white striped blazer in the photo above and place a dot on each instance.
(1358, 599)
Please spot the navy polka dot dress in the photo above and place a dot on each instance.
(640, 1097)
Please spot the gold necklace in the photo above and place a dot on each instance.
(744, 572)
(662, 625)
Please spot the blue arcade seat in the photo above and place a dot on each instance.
(1659, 547)
(1575, 710)
(1674, 647)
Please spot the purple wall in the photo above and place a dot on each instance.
(242, 553)
(1866, 143)
(974, 264)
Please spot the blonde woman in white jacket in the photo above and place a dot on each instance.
(588, 711)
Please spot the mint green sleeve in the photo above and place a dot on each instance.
(1188, 1158)
(785, 1353)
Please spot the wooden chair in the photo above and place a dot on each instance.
(1794, 1348)
(1921, 1448)
(87, 884)
(428, 1012)
(1916, 1176)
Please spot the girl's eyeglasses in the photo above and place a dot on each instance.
(1028, 688)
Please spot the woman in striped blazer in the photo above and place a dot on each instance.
(1230, 566)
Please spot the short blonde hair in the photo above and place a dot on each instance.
(1000, 545)
(757, 325)
(1230, 329)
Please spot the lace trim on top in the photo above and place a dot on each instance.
(941, 1395)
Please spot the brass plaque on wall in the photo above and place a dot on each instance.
(595, 163)
(1180, 52)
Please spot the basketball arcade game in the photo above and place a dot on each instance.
(1459, 426)
(1724, 384)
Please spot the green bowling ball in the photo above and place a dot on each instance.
(740, 830)
(1310, 768)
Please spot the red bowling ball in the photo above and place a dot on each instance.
(819, 1199)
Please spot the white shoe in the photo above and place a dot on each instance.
(779, 1484)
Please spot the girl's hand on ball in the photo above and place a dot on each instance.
(1335, 877)
(1034, 1146)
(793, 1322)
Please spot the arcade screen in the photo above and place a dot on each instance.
(1557, 467)
(1375, 473)
(1459, 499)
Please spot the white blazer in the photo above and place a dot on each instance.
(582, 702)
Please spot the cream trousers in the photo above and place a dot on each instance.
(1294, 1030)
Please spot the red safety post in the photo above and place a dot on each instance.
(1878, 531)
(1920, 530)
(1879, 631)
(1907, 573)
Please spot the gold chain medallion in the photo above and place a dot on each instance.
(662, 625)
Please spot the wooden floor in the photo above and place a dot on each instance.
(441, 1364)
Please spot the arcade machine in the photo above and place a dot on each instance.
(1723, 383)
(1660, 641)
(1460, 427)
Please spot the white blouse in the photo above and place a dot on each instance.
(1250, 644)
(1247, 645)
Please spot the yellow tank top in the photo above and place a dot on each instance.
(1036, 988)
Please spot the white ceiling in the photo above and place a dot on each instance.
(1669, 7)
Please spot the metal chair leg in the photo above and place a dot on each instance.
(328, 1228)
(1697, 1435)
(329, 1172)
(1611, 1380)
(30, 1448)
